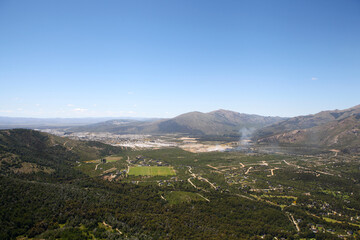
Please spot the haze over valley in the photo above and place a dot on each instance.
(228, 130)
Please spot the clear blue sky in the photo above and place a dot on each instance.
(163, 58)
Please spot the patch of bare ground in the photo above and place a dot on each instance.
(110, 170)
(8, 158)
(109, 177)
(199, 148)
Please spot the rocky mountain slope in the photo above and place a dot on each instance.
(332, 129)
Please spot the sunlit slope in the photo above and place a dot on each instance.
(337, 129)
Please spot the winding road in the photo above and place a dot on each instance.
(248, 170)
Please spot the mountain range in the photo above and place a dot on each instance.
(21, 122)
(338, 129)
(220, 122)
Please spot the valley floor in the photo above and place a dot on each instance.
(318, 194)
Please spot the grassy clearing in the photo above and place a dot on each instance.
(340, 222)
(151, 171)
(89, 168)
(177, 197)
(336, 194)
(113, 159)
(279, 196)
(331, 220)
(92, 161)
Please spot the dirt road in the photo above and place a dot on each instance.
(189, 180)
(96, 167)
(248, 170)
(203, 197)
(295, 223)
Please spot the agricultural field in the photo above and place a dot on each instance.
(151, 171)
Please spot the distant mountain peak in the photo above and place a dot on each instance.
(221, 110)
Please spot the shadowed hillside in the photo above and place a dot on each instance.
(42, 155)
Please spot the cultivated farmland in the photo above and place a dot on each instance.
(151, 171)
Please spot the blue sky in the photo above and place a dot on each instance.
(163, 58)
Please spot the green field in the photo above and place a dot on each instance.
(151, 171)
(177, 197)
